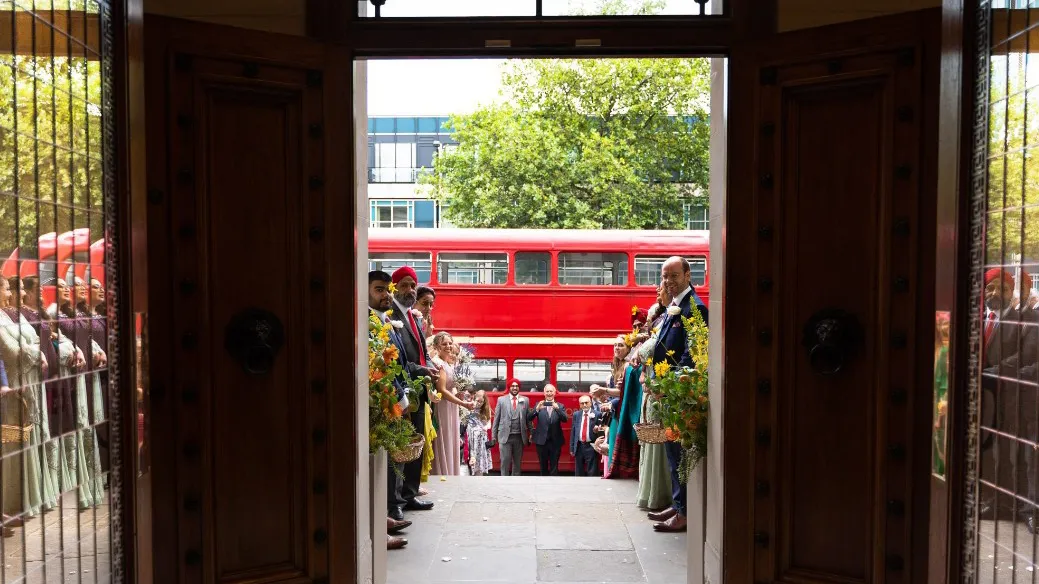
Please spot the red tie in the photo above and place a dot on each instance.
(990, 326)
(418, 339)
(513, 402)
(584, 428)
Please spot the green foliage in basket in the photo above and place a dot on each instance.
(683, 397)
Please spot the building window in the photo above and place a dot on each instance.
(473, 268)
(532, 267)
(391, 213)
(696, 217)
(389, 262)
(593, 269)
(579, 377)
(394, 163)
(647, 270)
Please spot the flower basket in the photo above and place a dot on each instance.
(651, 433)
(411, 452)
(10, 434)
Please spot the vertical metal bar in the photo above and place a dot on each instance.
(539, 8)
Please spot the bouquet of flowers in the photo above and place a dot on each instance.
(465, 379)
(683, 396)
(387, 426)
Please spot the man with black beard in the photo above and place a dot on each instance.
(1010, 352)
(419, 365)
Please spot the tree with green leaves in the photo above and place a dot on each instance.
(581, 144)
(1012, 223)
(51, 170)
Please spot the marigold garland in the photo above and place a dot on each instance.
(388, 428)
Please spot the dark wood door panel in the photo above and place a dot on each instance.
(253, 218)
(840, 194)
(827, 424)
(246, 195)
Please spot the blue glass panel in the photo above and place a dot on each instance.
(406, 126)
(384, 125)
(427, 125)
(425, 214)
(371, 125)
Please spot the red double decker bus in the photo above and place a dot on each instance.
(542, 306)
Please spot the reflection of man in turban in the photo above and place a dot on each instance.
(1011, 350)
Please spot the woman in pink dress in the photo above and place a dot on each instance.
(446, 446)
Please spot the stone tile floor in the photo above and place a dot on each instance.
(533, 529)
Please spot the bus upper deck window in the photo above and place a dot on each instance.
(390, 261)
(473, 268)
(532, 267)
(593, 269)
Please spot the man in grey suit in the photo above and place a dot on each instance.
(510, 429)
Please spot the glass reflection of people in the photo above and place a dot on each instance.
(1010, 350)
(26, 365)
(941, 390)
(82, 453)
(30, 310)
(95, 308)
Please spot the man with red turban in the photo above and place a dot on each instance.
(1010, 352)
(419, 365)
(511, 430)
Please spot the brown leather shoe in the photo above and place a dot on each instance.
(663, 515)
(673, 525)
(393, 526)
(395, 543)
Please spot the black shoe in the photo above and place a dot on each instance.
(418, 505)
(396, 514)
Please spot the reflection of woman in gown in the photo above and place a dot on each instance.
(654, 473)
(81, 448)
(39, 414)
(24, 360)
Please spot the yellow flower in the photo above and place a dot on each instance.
(634, 310)
(662, 369)
(671, 353)
(389, 312)
(392, 288)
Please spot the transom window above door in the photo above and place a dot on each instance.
(539, 8)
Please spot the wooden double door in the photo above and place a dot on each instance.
(828, 279)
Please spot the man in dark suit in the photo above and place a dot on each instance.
(548, 433)
(672, 348)
(1010, 351)
(582, 437)
(378, 303)
(419, 365)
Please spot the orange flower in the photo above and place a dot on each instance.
(397, 410)
(389, 354)
(671, 434)
(375, 375)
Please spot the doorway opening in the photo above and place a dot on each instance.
(533, 203)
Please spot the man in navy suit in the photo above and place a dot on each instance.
(378, 303)
(671, 347)
(548, 433)
(582, 437)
